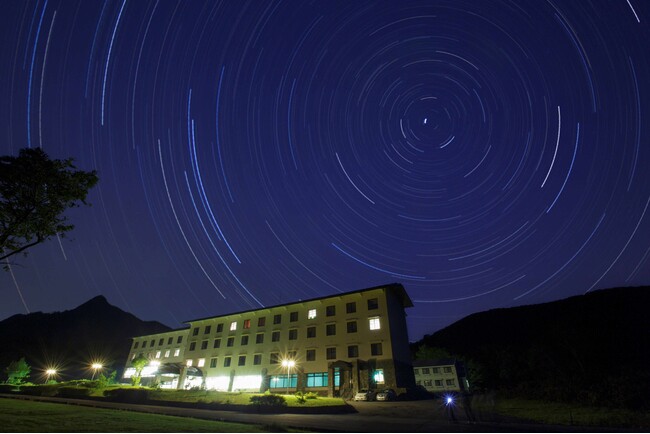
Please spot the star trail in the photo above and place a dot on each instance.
(483, 154)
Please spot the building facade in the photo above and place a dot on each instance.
(438, 376)
(334, 346)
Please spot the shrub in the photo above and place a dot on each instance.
(40, 390)
(311, 395)
(131, 395)
(8, 388)
(73, 392)
(270, 400)
(300, 397)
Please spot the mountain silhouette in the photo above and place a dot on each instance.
(73, 339)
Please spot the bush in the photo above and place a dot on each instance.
(40, 390)
(270, 400)
(8, 388)
(311, 395)
(300, 397)
(131, 395)
(73, 392)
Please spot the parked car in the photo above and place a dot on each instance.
(364, 395)
(386, 395)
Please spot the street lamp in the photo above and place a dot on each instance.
(96, 367)
(288, 364)
(50, 372)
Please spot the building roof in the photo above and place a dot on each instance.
(396, 287)
(438, 362)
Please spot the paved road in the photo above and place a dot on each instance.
(415, 416)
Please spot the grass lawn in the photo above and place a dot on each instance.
(566, 414)
(28, 416)
(234, 398)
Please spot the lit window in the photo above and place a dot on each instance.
(233, 325)
(247, 324)
(379, 376)
(177, 352)
(201, 363)
(374, 323)
(311, 314)
(188, 362)
(157, 355)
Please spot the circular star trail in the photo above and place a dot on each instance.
(483, 154)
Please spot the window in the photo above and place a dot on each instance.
(447, 369)
(213, 362)
(275, 358)
(428, 382)
(219, 328)
(244, 340)
(293, 317)
(436, 370)
(188, 362)
(275, 336)
(330, 329)
(330, 353)
(170, 341)
(217, 343)
(317, 379)
(153, 342)
(230, 342)
(259, 338)
(201, 363)
(179, 340)
(311, 355)
(378, 376)
(374, 323)
(351, 307)
(195, 331)
(167, 353)
(373, 304)
(450, 382)
(282, 381)
(241, 361)
(352, 326)
(247, 323)
(291, 355)
(416, 371)
(161, 341)
(330, 310)
(207, 329)
(311, 314)
(277, 319)
(204, 345)
(438, 383)
(311, 332)
(353, 351)
(192, 346)
(157, 355)
(425, 371)
(375, 349)
(233, 326)
(226, 362)
(177, 352)
(257, 359)
(293, 334)
(136, 345)
(261, 322)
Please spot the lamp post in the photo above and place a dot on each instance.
(50, 372)
(288, 364)
(96, 367)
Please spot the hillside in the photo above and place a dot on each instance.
(71, 339)
(589, 348)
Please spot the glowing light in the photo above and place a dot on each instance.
(96, 366)
(50, 372)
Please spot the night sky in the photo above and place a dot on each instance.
(482, 153)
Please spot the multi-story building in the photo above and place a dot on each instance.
(332, 345)
(446, 375)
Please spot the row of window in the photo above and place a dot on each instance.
(161, 341)
(351, 307)
(330, 330)
(275, 358)
(438, 383)
(426, 371)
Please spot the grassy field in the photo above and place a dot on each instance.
(566, 414)
(28, 416)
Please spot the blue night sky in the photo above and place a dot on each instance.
(482, 153)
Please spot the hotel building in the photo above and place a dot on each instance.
(333, 345)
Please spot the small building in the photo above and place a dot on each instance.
(334, 346)
(437, 376)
